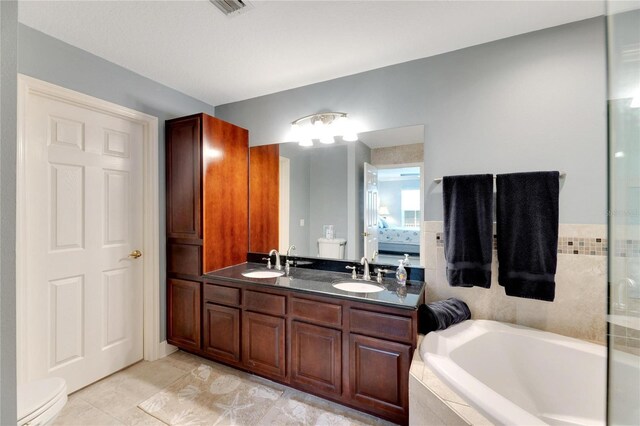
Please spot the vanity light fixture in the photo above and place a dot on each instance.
(324, 127)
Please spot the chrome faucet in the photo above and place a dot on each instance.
(287, 263)
(278, 266)
(381, 273)
(354, 271)
(366, 275)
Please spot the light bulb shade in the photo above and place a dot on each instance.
(324, 127)
(341, 124)
(296, 132)
(350, 137)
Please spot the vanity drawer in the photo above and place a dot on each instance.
(221, 294)
(316, 312)
(378, 324)
(266, 303)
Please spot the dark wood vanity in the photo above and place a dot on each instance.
(351, 350)
(354, 353)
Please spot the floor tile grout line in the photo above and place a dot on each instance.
(101, 410)
(79, 396)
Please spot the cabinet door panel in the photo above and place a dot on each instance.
(263, 348)
(183, 178)
(379, 373)
(316, 357)
(183, 311)
(222, 332)
(184, 259)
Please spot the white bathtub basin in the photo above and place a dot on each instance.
(520, 376)
(263, 274)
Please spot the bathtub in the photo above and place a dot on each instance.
(516, 375)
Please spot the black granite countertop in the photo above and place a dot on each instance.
(320, 282)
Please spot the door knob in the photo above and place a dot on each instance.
(365, 234)
(135, 254)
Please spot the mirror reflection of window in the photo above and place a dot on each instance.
(410, 202)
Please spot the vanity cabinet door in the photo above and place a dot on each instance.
(316, 358)
(379, 374)
(183, 313)
(222, 332)
(184, 177)
(263, 344)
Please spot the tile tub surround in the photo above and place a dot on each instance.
(579, 309)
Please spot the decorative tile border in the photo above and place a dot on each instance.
(588, 246)
(626, 248)
(584, 246)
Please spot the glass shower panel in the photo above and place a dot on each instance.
(624, 215)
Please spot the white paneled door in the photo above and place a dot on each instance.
(83, 224)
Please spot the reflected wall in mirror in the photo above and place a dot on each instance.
(323, 203)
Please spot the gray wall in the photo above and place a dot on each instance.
(299, 192)
(8, 137)
(536, 101)
(52, 60)
(328, 194)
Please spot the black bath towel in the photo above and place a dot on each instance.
(468, 226)
(441, 315)
(527, 222)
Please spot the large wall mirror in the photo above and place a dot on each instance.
(341, 201)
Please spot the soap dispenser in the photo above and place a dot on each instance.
(405, 261)
(401, 273)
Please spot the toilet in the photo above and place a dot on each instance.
(40, 401)
(331, 248)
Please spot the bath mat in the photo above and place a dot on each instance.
(212, 396)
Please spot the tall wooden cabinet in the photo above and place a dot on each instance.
(207, 217)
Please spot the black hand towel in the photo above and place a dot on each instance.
(468, 226)
(441, 315)
(527, 218)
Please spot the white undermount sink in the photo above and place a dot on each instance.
(263, 274)
(358, 287)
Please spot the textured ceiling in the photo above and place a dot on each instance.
(278, 45)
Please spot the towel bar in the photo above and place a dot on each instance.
(439, 179)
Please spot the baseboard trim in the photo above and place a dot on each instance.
(165, 349)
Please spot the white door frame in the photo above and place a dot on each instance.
(284, 206)
(153, 348)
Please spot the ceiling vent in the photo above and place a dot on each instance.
(232, 7)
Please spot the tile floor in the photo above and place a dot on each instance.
(114, 400)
